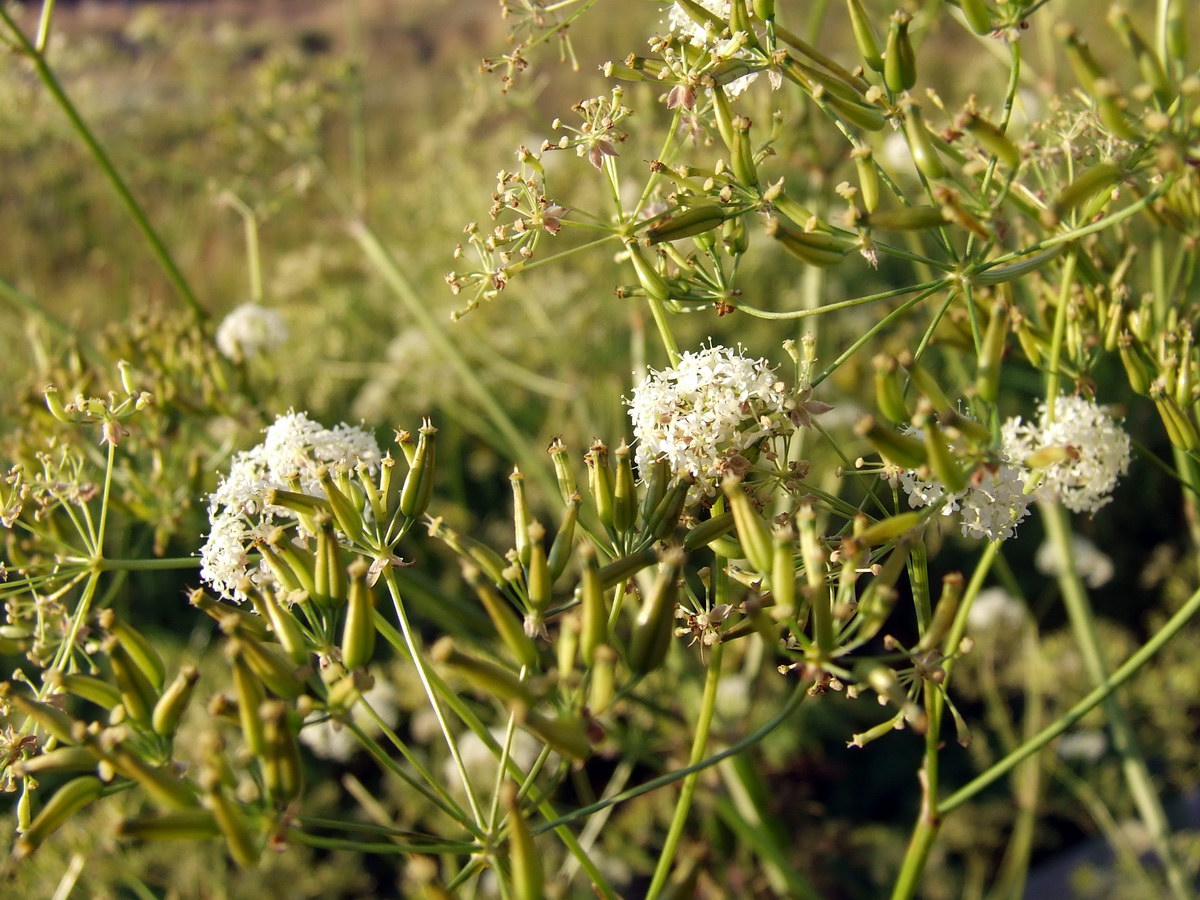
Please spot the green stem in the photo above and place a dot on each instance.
(157, 247)
(683, 806)
(1083, 624)
(1060, 327)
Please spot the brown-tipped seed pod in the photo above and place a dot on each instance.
(418, 483)
(654, 626)
(219, 611)
(563, 472)
(67, 800)
(358, 632)
(600, 482)
(624, 491)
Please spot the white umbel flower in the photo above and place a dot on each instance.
(1092, 564)
(293, 450)
(706, 410)
(679, 22)
(995, 610)
(249, 330)
(991, 506)
(1095, 447)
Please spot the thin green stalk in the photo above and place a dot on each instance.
(157, 247)
(1060, 327)
(708, 706)
(1133, 763)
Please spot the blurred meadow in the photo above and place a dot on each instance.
(322, 159)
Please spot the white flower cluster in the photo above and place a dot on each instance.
(293, 451)
(707, 409)
(249, 330)
(679, 22)
(1092, 564)
(991, 506)
(331, 740)
(996, 610)
(1095, 447)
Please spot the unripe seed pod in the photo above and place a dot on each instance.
(1148, 62)
(600, 482)
(655, 483)
(563, 472)
(1100, 177)
(694, 220)
(654, 626)
(1180, 428)
(708, 531)
(280, 762)
(753, 533)
(742, 154)
(665, 518)
(783, 572)
(723, 113)
(348, 519)
(137, 694)
(418, 483)
(943, 615)
(987, 373)
(868, 177)
(865, 116)
(888, 529)
(907, 218)
(358, 633)
(899, 62)
(925, 383)
(735, 236)
(787, 207)
(567, 646)
(87, 687)
(60, 761)
(242, 847)
(564, 540)
(889, 397)
(652, 282)
(603, 683)
(896, 449)
(977, 15)
(883, 681)
(271, 665)
(537, 570)
(161, 783)
(174, 700)
(593, 607)
(141, 652)
(528, 878)
(864, 35)
(567, 736)
(50, 719)
(624, 492)
(329, 573)
(816, 249)
(176, 825)
(622, 569)
(67, 800)
(55, 405)
(920, 143)
(504, 619)
(942, 461)
(286, 628)
(291, 578)
(484, 675)
(1087, 70)
(250, 696)
(992, 139)
(1111, 107)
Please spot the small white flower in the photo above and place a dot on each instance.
(330, 739)
(249, 330)
(1095, 447)
(705, 411)
(995, 610)
(679, 22)
(1090, 561)
(1086, 745)
(992, 504)
(295, 447)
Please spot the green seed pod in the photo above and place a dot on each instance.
(1180, 428)
(1100, 177)
(794, 212)
(329, 573)
(624, 492)
(161, 783)
(348, 518)
(87, 687)
(176, 825)
(491, 563)
(992, 139)
(889, 396)
(742, 154)
(600, 482)
(1013, 271)
(694, 220)
(899, 61)
(286, 627)
(943, 615)
(358, 633)
(484, 675)
(907, 218)
(593, 607)
(896, 449)
(864, 35)
(735, 236)
(652, 282)
(67, 800)
(291, 578)
(280, 762)
(50, 719)
(567, 646)
(888, 529)
(942, 460)
(418, 483)
(137, 694)
(1177, 33)
(566, 735)
(242, 847)
(702, 16)
(665, 518)
(1111, 107)
(504, 619)
(250, 696)
(753, 533)
(655, 623)
(925, 383)
(987, 373)
(562, 470)
(1148, 62)
(1087, 70)
(723, 113)
(978, 16)
(708, 531)
(271, 665)
(564, 540)
(622, 569)
(957, 425)
(814, 248)
(604, 678)
(537, 570)
(868, 177)
(174, 700)
(783, 572)
(920, 143)
(655, 484)
(865, 116)
(764, 9)
(528, 878)
(55, 405)
(140, 651)
(60, 761)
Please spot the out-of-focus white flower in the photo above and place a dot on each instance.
(481, 761)
(1093, 566)
(1086, 745)
(330, 739)
(991, 506)
(249, 330)
(995, 610)
(705, 411)
(292, 453)
(679, 22)
(1093, 451)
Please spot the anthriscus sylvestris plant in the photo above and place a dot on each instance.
(894, 324)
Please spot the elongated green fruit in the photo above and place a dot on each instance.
(655, 623)
(280, 762)
(286, 627)
(987, 373)
(622, 569)
(888, 529)
(528, 878)
(810, 247)
(624, 491)
(992, 139)
(752, 532)
(137, 694)
(899, 63)
(977, 15)
(348, 518)
(889, 397)
(250, 696)
(564, 540)
(593, 607)
(693, 220)
(504, 619)
(50, 719)
(90, 688)
(67, 800)
(895, 448)
(57, 762)
(600, 483)
(652, 282)
(1100, 177)
(358, 632)
(176, 825)
(864, 35)
(418, 483)
(537, 570)
(141, 652)
(943, 615)
(174, 700)
(920, 144)
(907, 218)
(485, 675)
(242, 847)
(708, 531)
